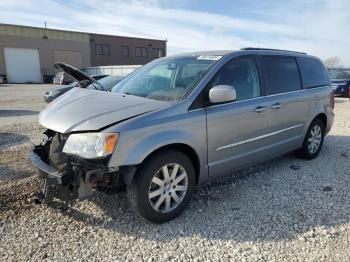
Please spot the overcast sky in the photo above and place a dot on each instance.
(318, 27)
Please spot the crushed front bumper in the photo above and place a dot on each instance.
(63, 185)
(69, 177)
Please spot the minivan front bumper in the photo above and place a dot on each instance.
(60, 184)
(74, 179)
(69, 177)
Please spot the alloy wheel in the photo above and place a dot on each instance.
(168, 188)
(315, 138)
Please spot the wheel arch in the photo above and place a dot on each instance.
(323, 118)
(181, 147)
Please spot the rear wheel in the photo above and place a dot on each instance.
(163, 187)
(313, 141)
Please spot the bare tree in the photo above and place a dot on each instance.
(333, 62)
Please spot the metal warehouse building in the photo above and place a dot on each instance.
(27, 54)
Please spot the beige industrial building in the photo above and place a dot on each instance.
(27, 54)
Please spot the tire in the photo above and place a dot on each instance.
(306, 151)
(144, 193)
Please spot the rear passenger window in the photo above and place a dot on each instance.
(281, 74)
(313, 72)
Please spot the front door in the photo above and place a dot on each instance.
(236, 130)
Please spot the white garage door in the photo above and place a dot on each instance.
(22, 65)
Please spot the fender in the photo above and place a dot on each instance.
(139, 151)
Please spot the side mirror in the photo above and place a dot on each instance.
(222, 94)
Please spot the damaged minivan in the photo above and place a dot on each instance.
(180, 121)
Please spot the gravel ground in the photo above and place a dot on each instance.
(283, 210)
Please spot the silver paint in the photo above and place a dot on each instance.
(146, 125)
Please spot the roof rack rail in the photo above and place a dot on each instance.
(270, 49)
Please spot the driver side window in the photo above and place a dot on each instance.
(242, 74)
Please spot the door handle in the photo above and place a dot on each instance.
(259, 109)
(276, 106)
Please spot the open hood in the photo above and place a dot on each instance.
(83, 78)
(82, 109)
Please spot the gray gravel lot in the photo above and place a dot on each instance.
(270, 212)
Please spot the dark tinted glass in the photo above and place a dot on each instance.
(144, 52)
(102, 50)
(138, 51)
(106, 50)
(242, 74)
(99, 50)
(141, 52)
(281, 74)
(156, 52)
(125, 51)
(313, 73)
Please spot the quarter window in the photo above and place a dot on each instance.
(281, 74)
(241, 73)
(313, 73)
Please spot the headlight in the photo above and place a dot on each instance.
(91, 145)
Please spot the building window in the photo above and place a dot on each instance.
(158, 52)
(125, 51)
(141, 52)
(102, 49)
(161, 52)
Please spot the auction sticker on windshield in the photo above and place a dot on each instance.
(209, 57)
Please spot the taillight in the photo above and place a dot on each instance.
(332, 99)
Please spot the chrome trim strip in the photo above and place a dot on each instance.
(257, 138)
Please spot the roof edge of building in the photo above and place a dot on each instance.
(81, 32)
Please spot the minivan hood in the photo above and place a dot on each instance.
(88, 110)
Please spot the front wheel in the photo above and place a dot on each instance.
(163, 186)
(313, 141)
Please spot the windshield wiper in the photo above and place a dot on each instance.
(99, 85)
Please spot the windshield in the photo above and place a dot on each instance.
(166, 79)
(107, 82)
(339, 73)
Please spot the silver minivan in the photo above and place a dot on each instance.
(180, 121)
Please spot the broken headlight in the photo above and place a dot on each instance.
(91, 145)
